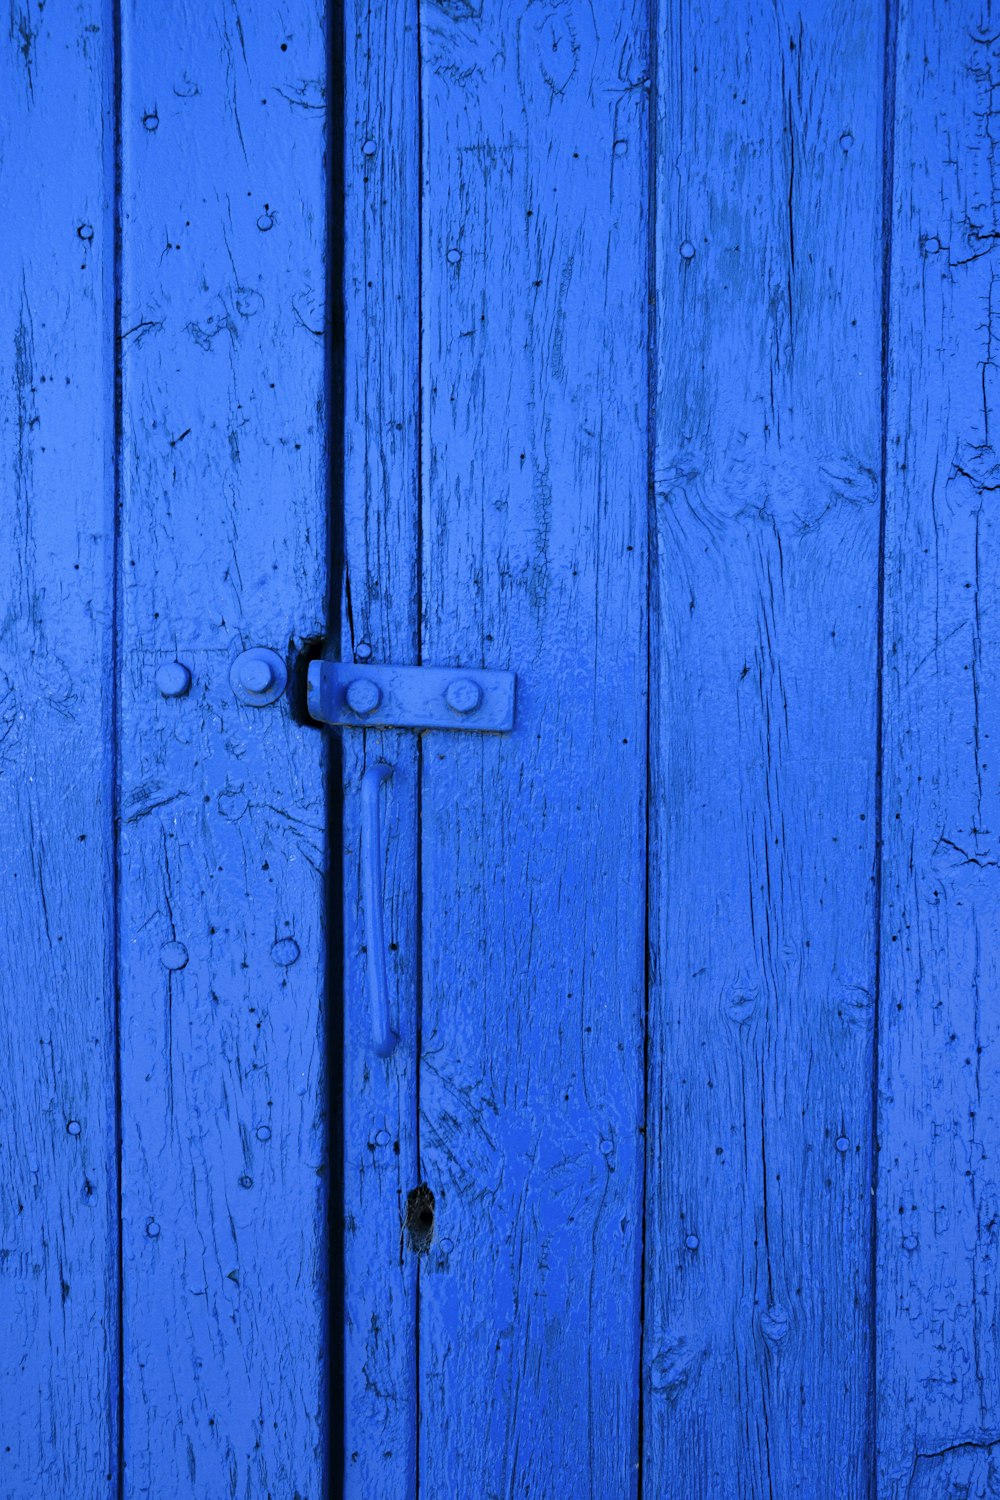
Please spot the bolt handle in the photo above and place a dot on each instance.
(384, 1039)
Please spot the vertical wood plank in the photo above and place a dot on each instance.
(223, 811)
(58, 1180)
(764, 670)
(939, 1187)
(381, 518)
(534, 559)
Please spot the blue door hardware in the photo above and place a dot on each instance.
(406, 1091)
(384, 1038)
(377, 697)
(258, 676)
(173, 679)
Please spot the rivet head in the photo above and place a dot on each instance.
(285, 952)
(152, 1229)
(692, 1242)
(72, 1127)
(463, 695)
(173, 679)
(263, 1132)
(842, 1143)
(173, 955)
(363, 695)
(258, 676)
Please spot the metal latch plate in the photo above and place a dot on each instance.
(366, 697)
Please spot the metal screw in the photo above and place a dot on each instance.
(258, 676)
(463, 695)
(173, 679)
(363, 695)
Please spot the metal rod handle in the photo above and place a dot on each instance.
(384, 1038)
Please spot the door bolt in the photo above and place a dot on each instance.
(353, 695)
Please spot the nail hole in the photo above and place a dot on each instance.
(420, 1218)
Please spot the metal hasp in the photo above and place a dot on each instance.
(366, 697)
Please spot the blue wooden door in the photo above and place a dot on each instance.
(407, 1089)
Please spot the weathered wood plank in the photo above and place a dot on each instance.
(939, 1114)
(58, 1181)
(765, 604)
(223, 811)
(380, 622)
(534, 558)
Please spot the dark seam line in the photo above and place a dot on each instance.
(652, 137)
(332, 1436)
(419, 998)
(115, 767)
(888, 174)
(419, 777)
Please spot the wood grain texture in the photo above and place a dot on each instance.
(939, 1107)
(58, 1183)
(535, 163)
(223, 816)
(765, 608)
(381, 520)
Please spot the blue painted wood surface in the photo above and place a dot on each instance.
(223, 822)
(939, 1101)
(644, 351)
(379, 620)
(764, 735)
(533, 559)
(58, 1173)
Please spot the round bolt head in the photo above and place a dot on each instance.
(173, 679)
(363, 695)
(258, 676)
(463, 695)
